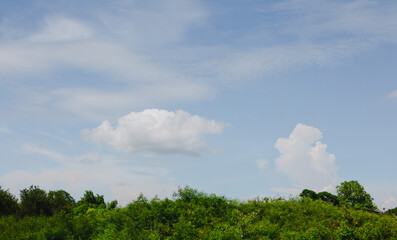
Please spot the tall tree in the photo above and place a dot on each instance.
(34, 201)
(352, 194)
(60, 200)
(8, 203)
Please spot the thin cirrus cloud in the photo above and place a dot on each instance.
(147, 44)
(324, 32)
(305, 159)
(158, 131)
(62, 29)
(4, 129)
(98, 104)
(108, 45)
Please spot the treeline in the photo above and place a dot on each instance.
(37, 202)
(191, 214)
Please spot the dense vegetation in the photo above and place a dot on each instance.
(191, 214)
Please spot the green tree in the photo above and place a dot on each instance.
(328, 197)
(34, 202)
(91, 200)
(392, 212)
(60, 200)
(8, 203)
(352, 194)
(306, 193)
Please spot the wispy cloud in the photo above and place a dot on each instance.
(392, 94)
(114, 45)
(261, 163)
(104, 174)
(133, 47)
(4, 129)
(45, 152)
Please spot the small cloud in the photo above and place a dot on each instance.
(392, 95)
(306, 160)
(158, 131)
(261, 163)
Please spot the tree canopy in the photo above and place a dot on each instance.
(352, 194)
(8, 203)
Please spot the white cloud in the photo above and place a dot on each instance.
(306, 160)
(261, 163)
(155, 130)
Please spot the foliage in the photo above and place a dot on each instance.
(323, 196)
(328, 197)
(91, 200)
(307, 193)
(392, 212)
(34, 202)
(8, 203)
(352, 194)
(191, 214)
(60, 201)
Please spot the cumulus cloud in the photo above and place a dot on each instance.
(155, 130)
(306, 160)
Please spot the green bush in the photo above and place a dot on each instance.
(195, 215)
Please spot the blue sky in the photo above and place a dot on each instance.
(239, 98)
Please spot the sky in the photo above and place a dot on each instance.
(239, 98)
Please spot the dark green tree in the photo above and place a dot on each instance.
(34, 202)
(8, 203)
(306, 193)
(60, 200)
(112, 205)
(91, 200)
(329, 198)
(352, 194)
(392, 212)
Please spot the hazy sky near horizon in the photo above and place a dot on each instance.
(239, 98)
